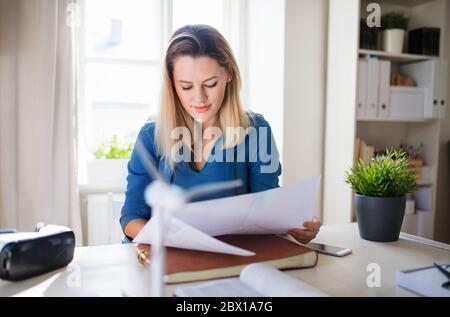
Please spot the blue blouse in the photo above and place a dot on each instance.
(258, 169)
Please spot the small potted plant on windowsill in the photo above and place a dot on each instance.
(380, 187)
(110, 164)
(394, 26)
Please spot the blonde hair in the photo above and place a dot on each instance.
(196, 41)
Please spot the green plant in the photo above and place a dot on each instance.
(394, 20)
(387, 175)
(113, 149)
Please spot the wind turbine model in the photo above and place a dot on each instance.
(164, 198)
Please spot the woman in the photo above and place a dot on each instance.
(200, 94)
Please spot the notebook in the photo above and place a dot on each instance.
(424, 281)
(184, 265)
(255, 280)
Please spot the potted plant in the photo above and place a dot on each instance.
(394, 25)
(380, 187)
(110, 164)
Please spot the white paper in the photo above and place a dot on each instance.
(184, 236)
(256, 280)
(426, 281)
(274, 211)
(272, 282)
(230, 287)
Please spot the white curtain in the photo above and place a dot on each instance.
(37, 116)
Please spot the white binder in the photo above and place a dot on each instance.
(428, 75)
(406, 102)
(373, 87)
(384, 89)
(361, 104)
(443, 101)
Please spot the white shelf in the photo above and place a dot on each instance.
(406, 3)
(404, 57)
(378, 119)
(342, 93)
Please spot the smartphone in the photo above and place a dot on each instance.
(328, 249)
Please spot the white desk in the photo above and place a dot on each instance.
(114, 271)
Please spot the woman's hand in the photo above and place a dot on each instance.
(309, 232)
(134, 227)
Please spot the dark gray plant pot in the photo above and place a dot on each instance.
(380, 218)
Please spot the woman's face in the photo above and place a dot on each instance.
(200, 84)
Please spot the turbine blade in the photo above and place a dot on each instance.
(211, 188)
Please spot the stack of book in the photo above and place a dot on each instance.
(416, 165)
(363, 151)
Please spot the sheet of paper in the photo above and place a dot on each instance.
(274, 211)
(255, 280)
(182, 235)
(271, 282)
(230, 287)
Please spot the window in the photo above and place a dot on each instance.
(211, 13)
(120, 46)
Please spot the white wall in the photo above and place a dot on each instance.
(287, 77)
(343, 41)
(8, 96)
(304, 91)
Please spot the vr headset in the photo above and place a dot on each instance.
(27, 254)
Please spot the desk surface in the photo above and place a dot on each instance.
(114, 271)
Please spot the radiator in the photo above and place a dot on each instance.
(102, 218)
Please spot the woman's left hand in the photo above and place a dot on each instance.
(309, 232)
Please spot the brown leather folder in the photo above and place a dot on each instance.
(191, 265)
